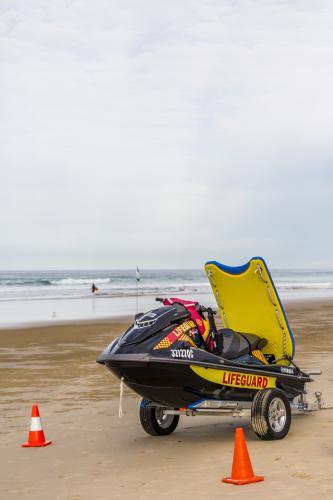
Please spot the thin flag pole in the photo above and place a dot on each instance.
(137, 279)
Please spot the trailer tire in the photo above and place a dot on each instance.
(154, 422)
(270, 414)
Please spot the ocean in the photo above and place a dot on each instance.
(42, 296)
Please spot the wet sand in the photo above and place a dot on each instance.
(97, 455)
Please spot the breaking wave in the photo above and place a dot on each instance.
(304, 286)
(24, 282)
(81, 281)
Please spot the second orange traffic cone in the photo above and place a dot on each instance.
(36, 434)
(242, 472)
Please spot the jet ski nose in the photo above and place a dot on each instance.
(106, 353)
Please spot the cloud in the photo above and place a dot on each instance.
(165, 133)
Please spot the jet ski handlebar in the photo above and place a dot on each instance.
(208, 310)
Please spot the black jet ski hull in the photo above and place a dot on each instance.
(181, 383)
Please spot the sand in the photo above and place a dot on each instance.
(96, 455)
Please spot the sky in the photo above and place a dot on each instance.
(165, 134)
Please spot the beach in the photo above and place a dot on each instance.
(97, 455)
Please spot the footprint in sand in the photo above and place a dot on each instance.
(302, 475)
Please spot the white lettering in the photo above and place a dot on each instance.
(285, 369)
(182, 353)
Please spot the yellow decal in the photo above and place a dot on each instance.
(164, 344)
(234, 379)
(259, 355)
(177, 334)
(184, 327)
(188, 339)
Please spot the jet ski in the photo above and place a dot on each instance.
(180, 363)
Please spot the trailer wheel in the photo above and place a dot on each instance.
(270, 414)
(154, 420)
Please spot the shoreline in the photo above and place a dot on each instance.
(128, 317)
(108, 320)
(297, 293)
(100, 296)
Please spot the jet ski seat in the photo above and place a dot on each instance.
(237, 344)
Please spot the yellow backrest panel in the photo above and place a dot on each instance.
(248, 302)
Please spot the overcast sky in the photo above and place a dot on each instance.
(165, 133)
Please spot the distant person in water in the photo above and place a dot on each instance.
(94, 288)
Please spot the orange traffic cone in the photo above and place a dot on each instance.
(242, 472)
(36, 434)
